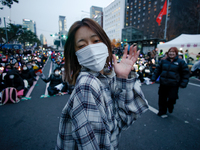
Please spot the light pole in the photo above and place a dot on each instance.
(5, 30)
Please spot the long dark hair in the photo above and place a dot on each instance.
(72, 66)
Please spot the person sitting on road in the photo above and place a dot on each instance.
(57, 64)
(66, 88)
(54, 79)
(26, 75)
(140, 73)
(2, 85)
(7, 68)
(35, 67)
(13, 79)
(17, 67)
(30, 68)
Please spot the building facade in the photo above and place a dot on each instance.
(29, 25)
(96, 13)
(113, 22)
(62, 25)
(183, 17)
(42, 39)
(142, 15)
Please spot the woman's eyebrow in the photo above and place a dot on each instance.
(80, 40)
(94, 35)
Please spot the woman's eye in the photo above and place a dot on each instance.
(81, 46)
(96, 41)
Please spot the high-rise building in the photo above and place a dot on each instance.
(62, 25)
(30, 25)
(96, 13)
(183, 17)
(113, 21)
(42, 39)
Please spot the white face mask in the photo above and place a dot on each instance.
(62, 69)
(93, 56)
(24, 68)
(56, 72)
(11, 76)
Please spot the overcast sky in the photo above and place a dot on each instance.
(46, 13)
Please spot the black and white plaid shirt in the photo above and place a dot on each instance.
(98, 109)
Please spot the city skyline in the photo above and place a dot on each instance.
(46, 14)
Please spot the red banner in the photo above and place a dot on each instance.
(162, 12)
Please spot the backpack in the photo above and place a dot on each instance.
(9, 95)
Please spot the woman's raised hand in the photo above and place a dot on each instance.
(123, 68)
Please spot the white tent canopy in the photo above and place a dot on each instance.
(190, 42)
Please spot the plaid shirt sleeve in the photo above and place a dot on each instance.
(130, 102)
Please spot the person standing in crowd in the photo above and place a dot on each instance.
(103, 102)
(165, 56)
(187, 56)
(198, 56)
(161, 53)
(174, 73)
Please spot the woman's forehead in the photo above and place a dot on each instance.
(84, 33)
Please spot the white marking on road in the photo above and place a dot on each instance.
(34, 83)
(47, 85)
(194, 84)
(153, 109)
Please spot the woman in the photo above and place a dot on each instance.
(174, 73)
(102, 102)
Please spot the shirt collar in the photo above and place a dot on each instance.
(97, 74)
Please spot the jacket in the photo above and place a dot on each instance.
(175, 73)
(17, 82)
(54, 80)
(26, 74)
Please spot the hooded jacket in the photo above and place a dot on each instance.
(175, 73)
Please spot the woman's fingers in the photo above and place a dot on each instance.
(131, 51)
(125, 52)
(114, 59)
(136, 55)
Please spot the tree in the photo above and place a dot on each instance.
(28, 36)
(20, 34)
(8, 3)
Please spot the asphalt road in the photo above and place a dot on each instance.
(33, 124)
